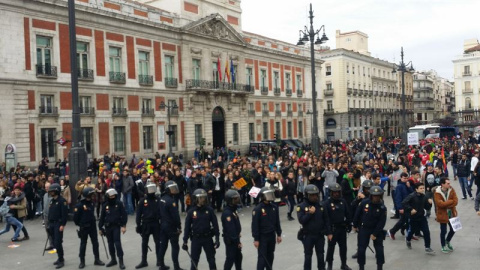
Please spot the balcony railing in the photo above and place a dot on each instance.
(355, 92)
(119, 112)
(85, 74)
(48, 111)
(174, 112)
(264, 90)
(278, 113)
(370, 92)
(349, 91)
(467, 90)
(300, 113)
(46, 71)
(328, 92)
(148, 112)
(87, 110)
(146, 80)
(299, 93)
(171, 82)
(328, 112)
(218, 86)
(117, 77)
(251, 112)
(289, 113)
(360, 92)
(288, 92)
(265, 113)
(276, 91)
(375, 93)
(468, 73)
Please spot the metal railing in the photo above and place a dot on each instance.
(215, 85)
(466, 74)
(300, 113)
(265, 113)
(251, 112)
(349, 91)
(173, 111)
(85, 74)
(171, 82)
(119, 112)
(87, 110)
(299, 93)
(145, 80)
(278, 113)
(48, 111)
(328, 111)
(148, 112)
(355, 92)
(289, 113)
(264, 90)
(117, 77)
(46, 71)
(328, 92)
(276, 91)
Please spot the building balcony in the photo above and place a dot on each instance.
(46, 71)
(276, 91)
(370, 93)
(87, 111)
(355, 92)
(328, 111)
(466, 109)
(148, 112)
(465, 74)
(116, 77)
(467, 90)
(265, 113)
(278, 113)
(299, 93)
(174, 112)
(264, 90)
(300, 113)
(201, 85)
(349, 91)
(85, 74)
(251, 113)
(380, 93)
(328, 92)
(360, 92)
(423, 88)
(288, 92)
(171, 82)
(424, 99)
(119, 112)
(48, 111)
(146, 80)
(289, 113)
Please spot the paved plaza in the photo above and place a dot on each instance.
(288, 256)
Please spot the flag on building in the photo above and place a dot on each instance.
(219, 70)
(232, 71)
(227, 72)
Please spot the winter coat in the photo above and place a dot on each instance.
(417, 201)
(401, 193)
(21, 208)
(330, 176)
(463, 168)
(445, 205)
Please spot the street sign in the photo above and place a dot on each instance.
(412, 138)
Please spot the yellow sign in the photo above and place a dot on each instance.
(240, 183)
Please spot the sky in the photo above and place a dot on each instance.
(431, 32)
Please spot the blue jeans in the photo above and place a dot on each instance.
(127, 201)
(454, 166)
(11, 221)
(464, 184)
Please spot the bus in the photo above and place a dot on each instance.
(424, 130)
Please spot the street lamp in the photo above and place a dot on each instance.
(403, 68)
(169, 131)
(309, 35)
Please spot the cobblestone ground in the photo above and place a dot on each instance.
(288, 255)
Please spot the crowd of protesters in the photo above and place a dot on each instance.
(416, 178)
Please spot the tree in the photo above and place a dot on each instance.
(445, 122)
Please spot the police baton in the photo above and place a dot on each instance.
(46, 241)
(103, 241)
(371, 249)
(193, 263)
(266, 261)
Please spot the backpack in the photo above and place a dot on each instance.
(4, 209)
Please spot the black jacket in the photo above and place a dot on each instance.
(417, 201)
(463, 168)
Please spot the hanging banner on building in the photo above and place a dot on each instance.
(161, 133)
(412, 138)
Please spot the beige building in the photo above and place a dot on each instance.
(228, 87)
(360, 92)
(467, 84)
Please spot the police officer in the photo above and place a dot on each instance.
(200, 225)
(114, 218)
(170, 226)
(231, 231)
(364, 194)
(369, 220)
(57, 219)
(84, 217)
(147, 221)
(340, 219)
(315, 224)
(265, 227)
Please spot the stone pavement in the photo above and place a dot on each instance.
(288, 256)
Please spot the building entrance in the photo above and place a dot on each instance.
(218, 127)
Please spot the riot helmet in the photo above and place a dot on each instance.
(267, 194)
(376, 194)
(232, 197)
(151, 188)
(366, 186)
(335, 191)
(111, 192)
(312, 192)
(55, 189)
(200, 197)
(87, 193)
(171, 188)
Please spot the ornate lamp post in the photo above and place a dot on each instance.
(170, 132)
(402, 67)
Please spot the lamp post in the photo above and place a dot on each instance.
(169, 131)
(402, 67)
(309, 35)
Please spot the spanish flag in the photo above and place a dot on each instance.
(227, 71)
(219, 69)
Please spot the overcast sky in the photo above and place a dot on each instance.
(431, 31)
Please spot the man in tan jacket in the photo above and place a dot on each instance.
(445, 202)
(20, 208)
(82, 184)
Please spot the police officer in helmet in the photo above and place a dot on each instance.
(315, 224)
(113, 220)
(201, 225)
(57, 219)
(369, 220)
(340, 218)
(266, 229)
(170, 226)
(147, 220)
(362, 195)
(84, 218)
(231, 231)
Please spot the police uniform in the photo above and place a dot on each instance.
(57, 217)
(265, 226)
(200, 225)
(84, 217)
(147, 220)
(340, 219)
(370, 219)
(315, 227)
(231, 236)
(170, 228)
(113, 217)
